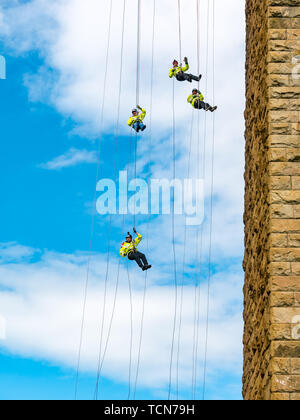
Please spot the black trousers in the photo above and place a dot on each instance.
(140, 258)
(182, 77)
(202, 105)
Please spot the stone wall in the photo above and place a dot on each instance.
(272, 202)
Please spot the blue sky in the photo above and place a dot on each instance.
(34, 133)
(50, 112)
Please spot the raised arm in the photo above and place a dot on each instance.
(139, 237)
(185, 68)
(171, 73)
(143, 113)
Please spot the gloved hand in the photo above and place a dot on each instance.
(185, 60)
(138, 107)
(134, 230)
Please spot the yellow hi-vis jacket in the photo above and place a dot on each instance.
(175, 70)
(128, 247)
(192, 98)
(138, 117)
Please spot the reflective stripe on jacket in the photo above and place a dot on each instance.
(128, 247)
(175, 70)
(193, 98)
(138, 117)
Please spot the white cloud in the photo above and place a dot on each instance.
(43, 317)
(11, 251)
(71, 158)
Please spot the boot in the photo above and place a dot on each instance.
(212, 109)
(144, 128)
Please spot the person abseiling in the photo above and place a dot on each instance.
(136, 121)
(197, 101)
(180, 74)
(129, 250)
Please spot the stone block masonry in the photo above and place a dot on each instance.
(272, 202)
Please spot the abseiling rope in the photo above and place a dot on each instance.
(179, 24)
(183, 268)
(131, 332)
(200, 230)
(138, 75)
(149, 175)
(198, 39)
(185, 230)
(199, 250)
(138, 65)
(115, 298)
(173, 248)
(116, 292)
(130, 303)
(211, 212)
(95, 199)
(138, 78)
(116, 289)
(204, 171)
(101, 359)
(173, 217)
